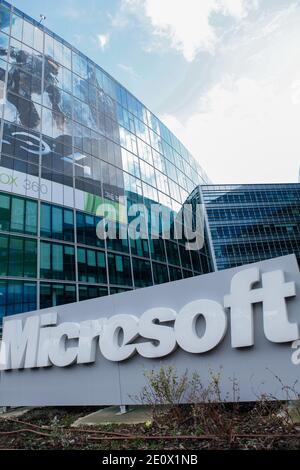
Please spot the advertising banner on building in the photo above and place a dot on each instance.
(240, 324)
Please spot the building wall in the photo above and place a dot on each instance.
(250, 223)
(72, 138)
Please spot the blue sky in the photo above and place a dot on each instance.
(224, 75)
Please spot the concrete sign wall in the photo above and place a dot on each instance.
(242, 323)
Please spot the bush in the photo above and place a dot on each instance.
(182, 402)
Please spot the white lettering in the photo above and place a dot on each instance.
(90, 331)
(273, 293)
(60, 354)
(277, 327)
(19, 343)
(47, 322)
(162, 334)
(38, 341)
(215, 326)
(112, 345)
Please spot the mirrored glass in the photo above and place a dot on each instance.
(28, 33)
(4, 19)
(4, 41)
(17, 27)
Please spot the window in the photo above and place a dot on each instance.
(52, 295)
(4, 43)
(185, 257)
(187, 274)
(63, 81)
(158, 249)
(175, 273)
(147, 173)
(118, 244)
(206, 263)
(4, 255)
(139, 247)
(57, 51)
(91, 266)
(28, 33)
(30, 222)
(142, 273)
(119, 270)
(20, 146)
(18, 214)
(91, 292)
(57, 222)
(4, 212)
(118, 290)
(57, 261)
(86, 230)
(17, 27)
(30, 258)
(160, 273)
(172, 252)
(17, 297)
(18, 256)
(196, 261)
(4, 19)
(3, 299)
(80, 65)
(130, 163)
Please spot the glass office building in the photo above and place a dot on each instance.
(249, 223)
(72, 138)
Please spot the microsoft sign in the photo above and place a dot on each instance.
(244, 321)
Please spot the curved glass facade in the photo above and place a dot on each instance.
(72, 138)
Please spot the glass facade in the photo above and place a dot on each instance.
(72, 138)
(249, 223)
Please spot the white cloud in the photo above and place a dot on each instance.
(247, 131)
(102, 40)
(186, 24)
(242, 121)
(238, 112)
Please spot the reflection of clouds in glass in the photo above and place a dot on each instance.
(2, 96)
(47, 123)
(5, 20)
(3, 41)
(88, 118)
(10, 113)
(54, 126)
(142, 133)
(57, 119)
(66, 105)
